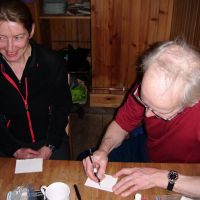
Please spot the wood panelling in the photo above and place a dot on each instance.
(74, 31)
(66, 31)
(125, 29)
(35, 14)
(121, 30)
(186, 21)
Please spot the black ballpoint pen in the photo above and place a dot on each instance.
(77, 192)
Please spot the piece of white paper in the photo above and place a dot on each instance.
(106, 184)
(185, 198)
(29, 165)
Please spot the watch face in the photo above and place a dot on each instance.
(173, 175)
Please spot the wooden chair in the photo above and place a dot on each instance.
(68, 131)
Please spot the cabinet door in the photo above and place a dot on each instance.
(120, 31)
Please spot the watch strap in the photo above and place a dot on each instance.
(172, 177)
(170, 186)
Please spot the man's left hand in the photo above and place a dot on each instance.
(134, 179)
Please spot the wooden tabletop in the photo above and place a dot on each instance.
(71, 172)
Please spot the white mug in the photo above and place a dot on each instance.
(56, 191)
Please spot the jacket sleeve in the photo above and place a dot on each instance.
(8, 145)
(60, 107)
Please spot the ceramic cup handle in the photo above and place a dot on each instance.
(43, 190)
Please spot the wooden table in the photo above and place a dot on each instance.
(71, 172)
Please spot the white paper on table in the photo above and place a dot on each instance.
(185, 198)
(106, 184)
(29, 165)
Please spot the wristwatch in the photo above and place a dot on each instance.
(51, 147)
(172, 178)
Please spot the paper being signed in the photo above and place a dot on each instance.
(106, 184)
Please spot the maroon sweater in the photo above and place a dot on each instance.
(177, 140)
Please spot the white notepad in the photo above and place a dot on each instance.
(29, 165)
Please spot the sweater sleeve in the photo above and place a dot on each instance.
(130, 114)
(60, 108)
(8, 145)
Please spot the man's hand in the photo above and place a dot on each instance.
(100, 161)
(25, 153)
(134, 179)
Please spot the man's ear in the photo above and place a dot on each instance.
(32, 31)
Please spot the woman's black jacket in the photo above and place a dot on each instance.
(44, 88)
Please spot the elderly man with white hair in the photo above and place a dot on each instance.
(167, 101)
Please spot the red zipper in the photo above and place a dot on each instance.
(8, 123)
(25, 100)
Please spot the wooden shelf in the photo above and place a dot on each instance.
(106, 100)
(64, 17)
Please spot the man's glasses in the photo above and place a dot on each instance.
(136, 94)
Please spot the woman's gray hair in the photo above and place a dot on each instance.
(179, 62)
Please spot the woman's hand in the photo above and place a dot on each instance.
(100, 161)
(26, 153)
(134, 179)
(44, 152)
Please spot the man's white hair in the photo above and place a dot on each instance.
(179, 62)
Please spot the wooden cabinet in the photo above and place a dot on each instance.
(118, 32)
(57, 31)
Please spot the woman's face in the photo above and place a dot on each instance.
(14, 40)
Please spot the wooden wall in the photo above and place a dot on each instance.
(121, 30)
(62, 32)
(186, 21)
(35, 14)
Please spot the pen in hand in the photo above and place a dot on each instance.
(94, 167)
